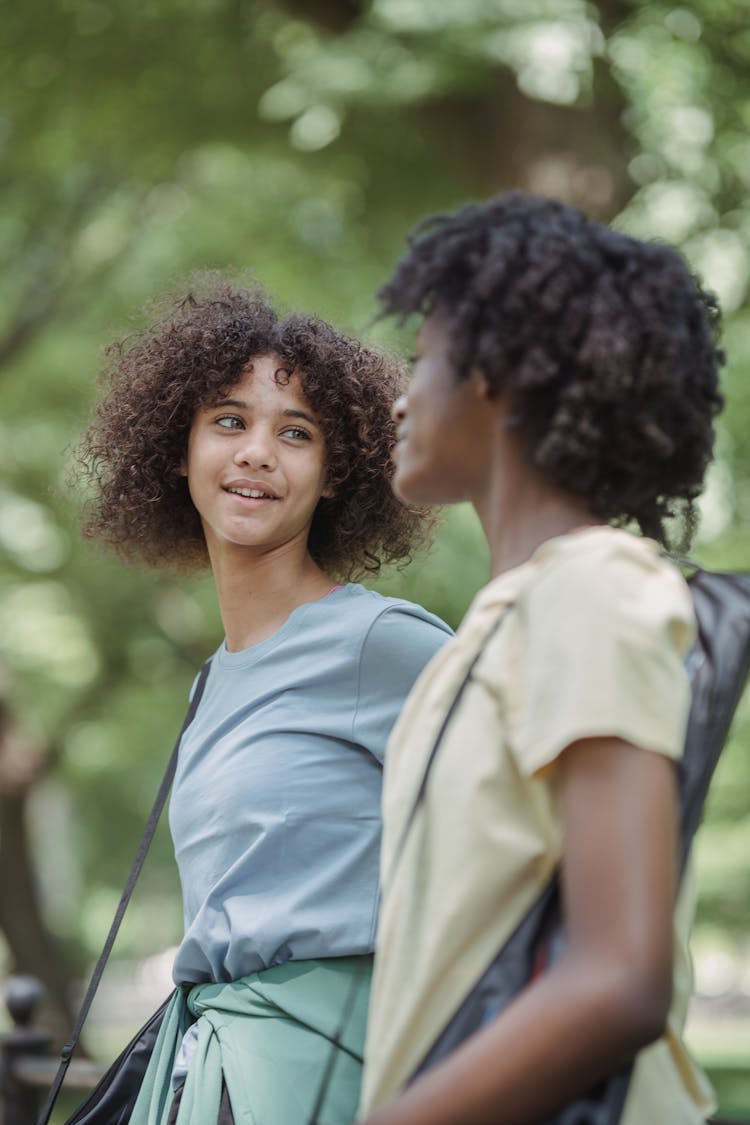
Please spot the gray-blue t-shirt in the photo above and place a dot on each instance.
(275, 809)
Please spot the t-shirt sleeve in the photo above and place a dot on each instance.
(398, 645)
(602, 654)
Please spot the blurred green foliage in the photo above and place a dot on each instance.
(299, 140)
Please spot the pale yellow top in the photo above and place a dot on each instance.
(593, 645)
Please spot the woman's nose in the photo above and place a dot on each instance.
(398, 410)
(256, 450)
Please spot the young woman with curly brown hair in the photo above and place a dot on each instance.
(262, 447)
(565, 382)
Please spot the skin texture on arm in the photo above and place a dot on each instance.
(609, 993)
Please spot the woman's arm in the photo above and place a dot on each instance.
(609, 993)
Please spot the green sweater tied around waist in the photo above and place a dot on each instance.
(269, 1036)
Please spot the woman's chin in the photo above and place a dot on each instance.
(411, 489)
(403, 487)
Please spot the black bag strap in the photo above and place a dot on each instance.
(336, 1044)
(349, 1003)
(496, 624)
(148, 834)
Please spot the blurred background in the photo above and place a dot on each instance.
(300, 139)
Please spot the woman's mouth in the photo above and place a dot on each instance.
(251, 493)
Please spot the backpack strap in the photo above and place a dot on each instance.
(148, 834)
(444, 726)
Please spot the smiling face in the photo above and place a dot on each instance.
(255, 463)
(445, 427)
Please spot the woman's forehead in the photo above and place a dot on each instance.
(434, 331)
(267, 373)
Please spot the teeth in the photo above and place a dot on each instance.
(252, 493)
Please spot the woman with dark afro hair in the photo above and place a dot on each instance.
(566, 385)
(259, 446)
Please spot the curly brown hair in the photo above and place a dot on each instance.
(156, 379)
(606, 345)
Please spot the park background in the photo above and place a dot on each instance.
(300, 139)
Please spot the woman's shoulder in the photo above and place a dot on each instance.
(608, 572)
(392, 641)
(595, 556)
(366, 608)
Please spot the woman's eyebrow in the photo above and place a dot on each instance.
(240, 404)
(221, 402)
(301, 414)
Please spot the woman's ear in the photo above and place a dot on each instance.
(481, 385)
(498, 397)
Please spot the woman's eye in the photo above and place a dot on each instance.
(228, 422)
(297, 433)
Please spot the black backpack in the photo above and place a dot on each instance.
(718, 666)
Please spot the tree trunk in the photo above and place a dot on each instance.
(501, 139)
(33, 948)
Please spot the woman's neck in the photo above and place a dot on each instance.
(257, 594)
(520, 509)
(513, 542)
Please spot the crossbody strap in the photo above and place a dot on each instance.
(148, 834)
(444, 726)
(349, 1003)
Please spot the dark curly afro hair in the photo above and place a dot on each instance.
(606, 346)
(196, 351)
